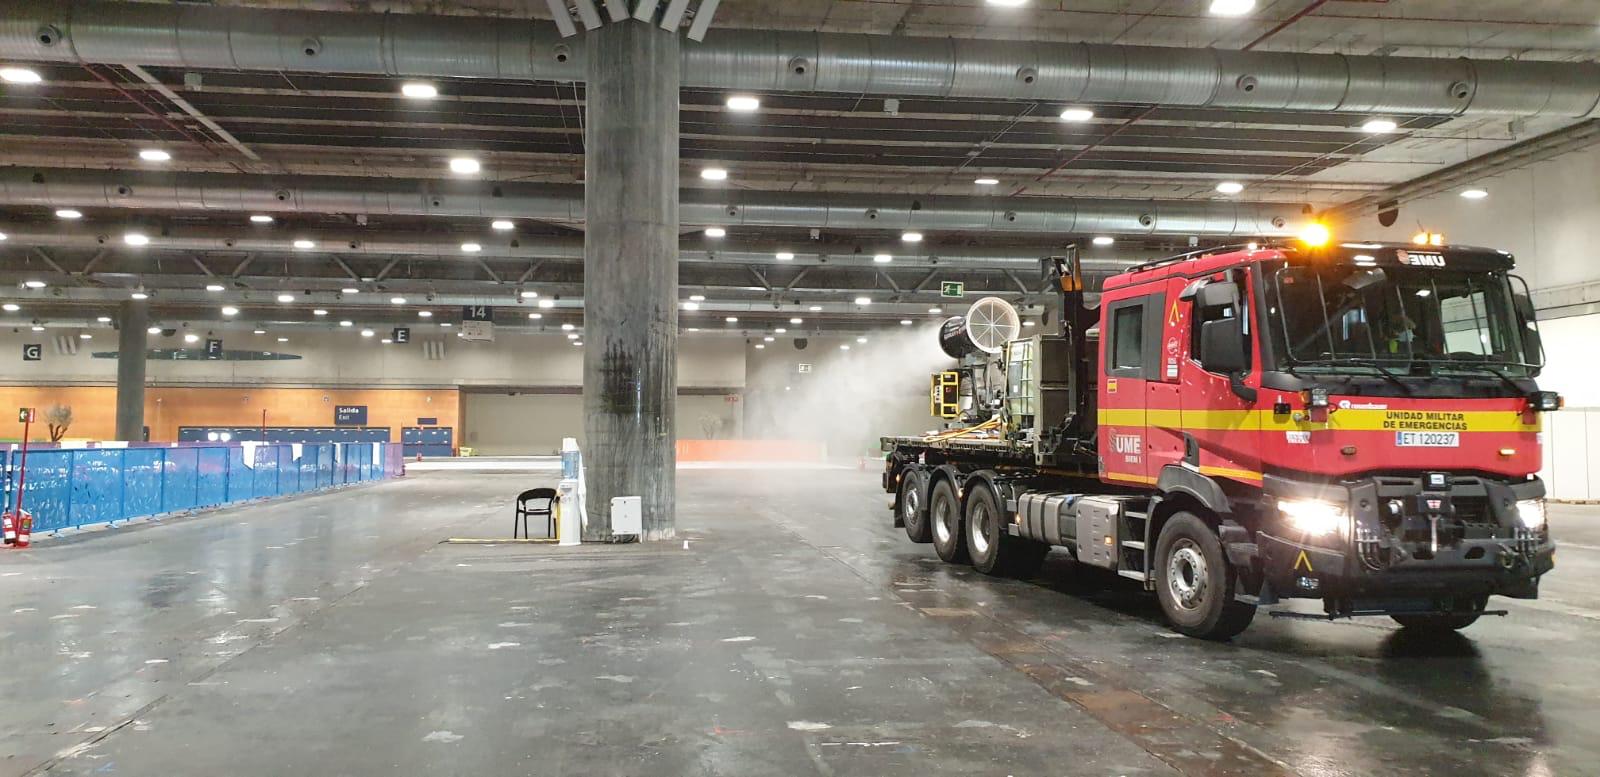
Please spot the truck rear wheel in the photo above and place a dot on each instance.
(1455, 620)
(993, 551)
(911, 512)
(944, 515)
(1194, 583)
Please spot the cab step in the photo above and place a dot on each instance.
(1133, 574)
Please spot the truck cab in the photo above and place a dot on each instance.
(1358, 422)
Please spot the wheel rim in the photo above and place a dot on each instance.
(1186, 575)
(941, 520)
(908, 503)
(981, 519)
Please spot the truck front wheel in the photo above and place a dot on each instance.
(1194, 583)
(913, 513)
(993, 551)
(944, 513)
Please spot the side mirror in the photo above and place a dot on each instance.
(1528, 328)
(1222, 346)
(1218, 294)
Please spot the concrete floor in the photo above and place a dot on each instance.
(797, 633)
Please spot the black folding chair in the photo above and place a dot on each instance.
(524, 510)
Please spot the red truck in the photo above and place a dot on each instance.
(1352, 422)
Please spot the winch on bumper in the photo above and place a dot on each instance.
(1436, 535)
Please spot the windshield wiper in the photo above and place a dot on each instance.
(1376, 365)
(1498, 374)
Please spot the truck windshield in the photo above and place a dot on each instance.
(1402, 320)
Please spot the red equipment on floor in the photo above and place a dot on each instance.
(19, 524)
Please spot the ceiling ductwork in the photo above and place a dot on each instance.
(231, 38)
(254, 239)
(53, 188)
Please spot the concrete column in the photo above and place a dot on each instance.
(134, 319)
(630, 272)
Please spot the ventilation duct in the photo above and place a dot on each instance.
(52, 188)
(198, 36)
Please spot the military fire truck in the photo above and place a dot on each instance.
(1352, 422)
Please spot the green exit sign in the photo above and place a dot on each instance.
(952, 289)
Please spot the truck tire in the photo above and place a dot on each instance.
(993, 551)
(1194, 583)
(944, 517)
(1453, 621)
(910, 510)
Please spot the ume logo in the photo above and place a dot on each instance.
(1127, 443)
(1420, 260)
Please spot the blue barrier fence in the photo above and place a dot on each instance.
(72, 487)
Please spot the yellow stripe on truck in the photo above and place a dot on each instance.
(1353, 420)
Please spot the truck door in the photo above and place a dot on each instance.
(1164, 441)
(1130, 353)
(1221, 429)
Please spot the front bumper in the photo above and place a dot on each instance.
(1479, 549)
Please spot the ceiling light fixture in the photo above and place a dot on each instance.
(691, 306)
(259, 332)
(69, 213)
(34, 284)
(936, 311)
(547, 303)
(213, 287)
(261, 218)
(191, 338)
(319, 312)
(697, 298)
(785, 256)
(1474, 194)
(986, 181)
(743, 103)
(230, 311)
(882, 258)
(1104, 240)
(1077, 114)
(283, 339)
(286, 298)
(815, 308)
(905, 322)
(464, 165)
(797, 321)
(19, 75)
(397, 300)
(139, 295)
(535, 316)
(528, 294)
(568, 327)
(732, 319)
(768, 339)
(367, 333)
(10, 307)
(85, 336)
(1007, 3)
(1232, 7)
(716, 232)
(471, 248)
(424, 314)
(1230, 187)
(861, 340)
(350, 291)
(136, 239)
(154, 155)
(863, 300)
(304, 244)
(911, 237)
(1379, 127)
(418, 90)
(501, 225)
(714, 174)
(104, 319)
(155, 330)
(347, 323)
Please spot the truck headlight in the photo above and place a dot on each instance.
(1531, 512)
(1314, 517)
